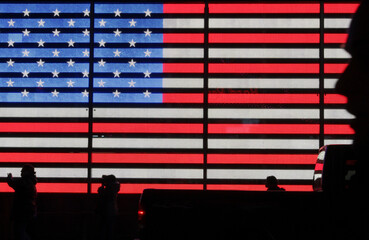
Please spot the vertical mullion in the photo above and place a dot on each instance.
(206, 80)
(321, 76)
(90, 98)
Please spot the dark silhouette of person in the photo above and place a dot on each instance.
(352, 219)
(272, 184)
(107, 209)
(24, 202)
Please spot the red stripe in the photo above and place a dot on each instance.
(340, 7)
(147, 128)
(43, 127)
(183, 38)
(319, 167)
(335, 37)
(183, 98)
(262, 159)
(138, 188)
(338, 129)
(335, 67)
(264, 128)
(264, 8)
(183, 68)
(334, 99)
(264, 98)
(184, 8)
(52, 188)
(263, 68)
(169, 158)
(263, 38)
(299, 188)
(43, 157)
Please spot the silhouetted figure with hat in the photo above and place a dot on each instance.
(24, 203)
(107, 209)
(272, 184)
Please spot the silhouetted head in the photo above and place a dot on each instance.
(108, 179)
(28, 171)
(271, 182)
(354, 82)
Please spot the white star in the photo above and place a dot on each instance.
(10, 63)
(10, 83)
(55, 93)
(147, 33)
(11, 23)
(116, 93)
(41, 43)
(56, 32)
(147, 53)
(26, 32)
(25, 93)
(102, 43)
(86, 53)
(102, 23)
(102, 63)
(40, 83)
(55, 73)
(117, 13)
(147, 73)
(84, 93)
(117, 32)
(56, 13)
(131, 83)
(25, 53)
(132, 43)
(11, 43)
(116, 74)
(70, 83)
(71, 43)
(25, 73)
(41, 23)
(147, 93)
(117, 53)
(86, 32)
(86, 13)
(101, 83)
(132, 63)
(40, 63)
(132, 23)
(56, 53)
(26, 12)
(85, 73)
(147, 13)
(71, 23)
(70, 63)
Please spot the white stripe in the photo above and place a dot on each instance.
(337, 114)
(263, 144)
(148, 113)
(264, 53)
(49, 172)
(149, 173)
(183, 53)
(183, 23)
(336, 53)
(338, 141)
(263, 23)
(276, 83)
(337, 22)
(44, 112)
(34, 142)
(330, 83)
(238, 113)
(183, 83)
(160, 143)
(253, 174)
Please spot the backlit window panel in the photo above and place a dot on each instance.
(44, 81)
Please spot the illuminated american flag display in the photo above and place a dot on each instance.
(170, 95)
